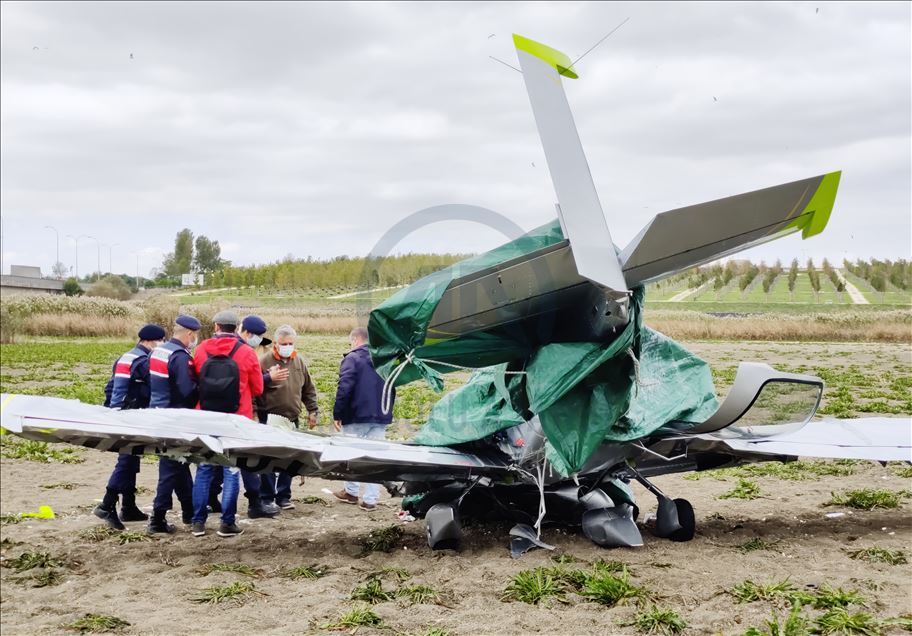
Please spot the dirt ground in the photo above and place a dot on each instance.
(151, 584)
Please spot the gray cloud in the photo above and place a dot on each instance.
(311, 128)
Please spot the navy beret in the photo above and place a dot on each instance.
(254, 324)
(151, 332)
(188, 322)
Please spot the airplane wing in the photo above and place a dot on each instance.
(203, 436)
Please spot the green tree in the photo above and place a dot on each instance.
(208, 256)
(71, 287)
(180, 260)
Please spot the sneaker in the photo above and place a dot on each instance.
(133, 514)
(367, 506)
(160, 526)
(198, 529)
(109, 517)
(285, 504)
(341, 495)
(229, 531)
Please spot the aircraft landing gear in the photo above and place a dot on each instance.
(675, 519)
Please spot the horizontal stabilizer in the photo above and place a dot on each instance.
(679, 239)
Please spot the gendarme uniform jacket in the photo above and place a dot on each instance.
(128, 387)
(290, 397)
(172, 377)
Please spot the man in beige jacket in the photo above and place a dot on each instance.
(288, 399)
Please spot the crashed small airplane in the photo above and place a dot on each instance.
(572, 398)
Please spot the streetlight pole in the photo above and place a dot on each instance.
(138, 282)
(98, 246)
(57, 234)
(76, 240)
(110, 248)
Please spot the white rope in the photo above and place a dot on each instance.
(540, 482)
(390, 383)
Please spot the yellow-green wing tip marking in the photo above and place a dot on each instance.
(821, 205)
(560, 61)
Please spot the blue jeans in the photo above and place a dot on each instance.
(369, 431)
(230, 488)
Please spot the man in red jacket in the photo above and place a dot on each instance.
(229, 378)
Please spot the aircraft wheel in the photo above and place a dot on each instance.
(687, 519)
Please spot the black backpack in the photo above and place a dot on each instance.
(220, 383)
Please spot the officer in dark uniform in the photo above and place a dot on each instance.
(128, 388)
(173, 381)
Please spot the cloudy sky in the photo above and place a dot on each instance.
(311, 129)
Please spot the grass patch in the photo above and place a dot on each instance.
(8, 518)
(64, 485)
(236, 593)
(237, 568)
(866, 499)
(533, 587)
(565, 559)
(839, 621)
(358, 617)
(371, 591)
(880, 555)
(903, 471)
(98, 533)
(609, 589)
(795, 625)
(313, 499)
(657, 621)
(400, 574)
(305, 572)
(744, 489)
(418, 594)
(33, 451)
(384, 539)
(30, 560)
(791, 471)
(432, 631)
(829, 598)
(757, 543)
(97, 623)
(132, 536)
(47, 578)
(748, 591)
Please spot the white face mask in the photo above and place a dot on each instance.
(286, 350)
(254, 340)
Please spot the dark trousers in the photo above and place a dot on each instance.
(275, 486)
(251, 486)
(173, 477)
(123, 479)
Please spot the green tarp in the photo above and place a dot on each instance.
(583, 392)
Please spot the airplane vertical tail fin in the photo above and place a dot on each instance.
(580, 211)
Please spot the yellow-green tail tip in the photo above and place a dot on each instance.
(560, 61)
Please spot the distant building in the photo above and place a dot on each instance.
(25, 271)
(26, 279)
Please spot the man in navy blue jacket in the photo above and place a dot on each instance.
(173, 381)
(358, 409)
(128, 388)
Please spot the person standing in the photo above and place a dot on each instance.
(173, 382)
(229, 378)
(358, 411)
(287, 399)
(128, 388)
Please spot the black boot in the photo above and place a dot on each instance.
(129, 511)
(160, 524)
(107, 510)
(256, 510)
